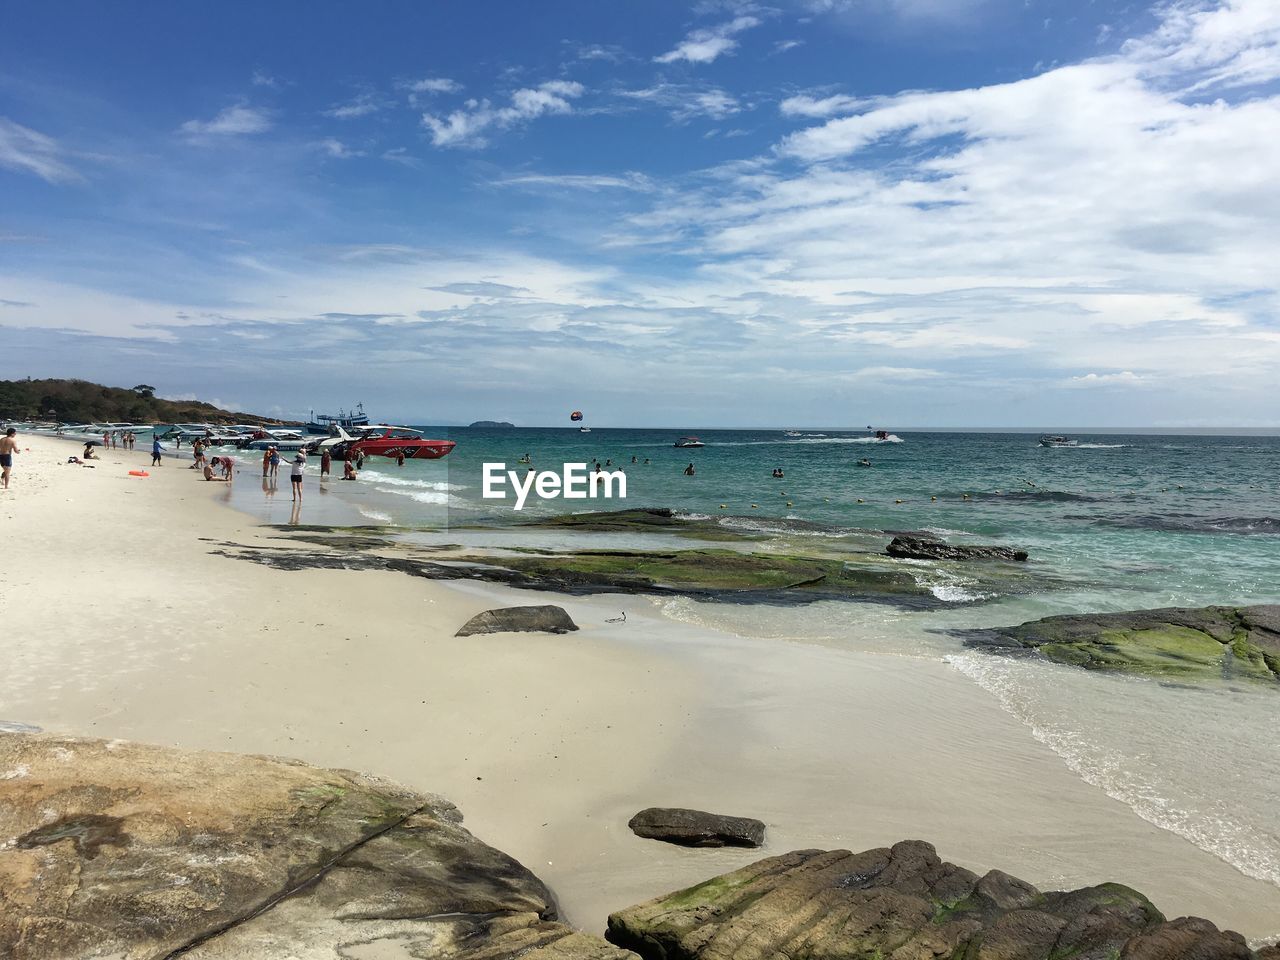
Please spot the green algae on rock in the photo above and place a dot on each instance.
(906, 903)
(1182, 643)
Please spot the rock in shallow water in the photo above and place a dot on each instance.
(547, 618)
(113, 849)
(918, 548)
(1186, 643)
(905, 903)
(694, 828)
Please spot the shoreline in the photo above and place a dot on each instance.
(147, 636)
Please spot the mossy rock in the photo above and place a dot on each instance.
(904, 902)
(1230, 643)
(711, 570)
(642, 520)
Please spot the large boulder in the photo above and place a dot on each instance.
(547, 618)
(694, 828)
(905, 903)
(920, 548)
(113, 849)
(1186, 643)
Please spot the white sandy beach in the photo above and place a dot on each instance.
(120, 622)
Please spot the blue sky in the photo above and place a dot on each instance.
(908, 212)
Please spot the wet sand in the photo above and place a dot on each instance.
(119, 622)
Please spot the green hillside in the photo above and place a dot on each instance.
(79, 401)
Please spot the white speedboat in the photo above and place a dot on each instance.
(686, 443)
(1056, 441)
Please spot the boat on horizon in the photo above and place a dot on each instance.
(882, 436)
(685, 443)
(1052, 440)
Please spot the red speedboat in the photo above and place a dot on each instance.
(383, 441)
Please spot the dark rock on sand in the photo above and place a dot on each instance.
(694, 828)
(113, 849)
(905, 903)
(916, 548)
(1184, 643)
(540, 619)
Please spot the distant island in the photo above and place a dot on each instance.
(494, 424)
(79, 401)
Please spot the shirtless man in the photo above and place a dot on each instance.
(8, 447)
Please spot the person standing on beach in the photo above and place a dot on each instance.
(155, 452)
(266, 461)
(8, 447)
(295, 474)
(326, 461)
(275, 463)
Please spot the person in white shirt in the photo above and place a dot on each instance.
(295, 474)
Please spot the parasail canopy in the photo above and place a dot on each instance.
(575, 416)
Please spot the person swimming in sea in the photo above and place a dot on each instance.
(689, 471)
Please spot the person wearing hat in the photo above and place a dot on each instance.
(295, 474)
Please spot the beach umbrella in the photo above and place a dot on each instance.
(93, 443)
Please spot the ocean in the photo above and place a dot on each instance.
(1118, 522)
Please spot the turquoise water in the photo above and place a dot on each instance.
(1119, 522)
(1137, 520)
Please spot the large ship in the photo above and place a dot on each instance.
(349, 420)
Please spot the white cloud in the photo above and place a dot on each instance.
(593, 182)
(434, 85)
(782, 46)
(896, 373)
(468, 127)
(705, 45)
(1125, 378)
(264, 79)
(1213, 44)
(234, 121)
(687, 101)
(336, 149)
(600, 51)
(806, 106)
(1094, 217)
(359, 106)
(30, 151)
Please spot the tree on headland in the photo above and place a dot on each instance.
(78, 401)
